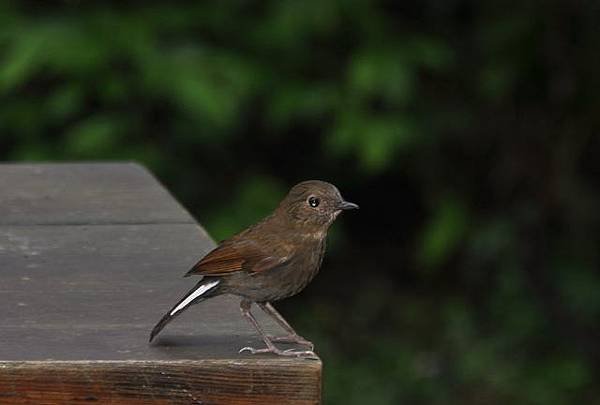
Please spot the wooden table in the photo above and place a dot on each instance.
(91, 256)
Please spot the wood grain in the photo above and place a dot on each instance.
(170, 382)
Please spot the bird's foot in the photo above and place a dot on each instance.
(279, 352)
(292, 339)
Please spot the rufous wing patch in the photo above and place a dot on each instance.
(232, 257)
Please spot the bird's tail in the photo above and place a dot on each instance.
(203, 290)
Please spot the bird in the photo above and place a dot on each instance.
(271, 260)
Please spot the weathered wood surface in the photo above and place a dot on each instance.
(258, 381)
(85, 275)
(84, 194)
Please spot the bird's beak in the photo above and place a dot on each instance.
(345, 205)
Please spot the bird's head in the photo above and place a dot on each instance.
(314, 203)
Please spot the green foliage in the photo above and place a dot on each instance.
(465, 130)
(443, 232)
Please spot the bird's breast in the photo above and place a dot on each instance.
(305, 267)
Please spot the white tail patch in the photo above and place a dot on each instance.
(201, 290)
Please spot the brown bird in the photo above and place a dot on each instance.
(271, 260)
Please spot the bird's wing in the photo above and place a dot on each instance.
(231, 257)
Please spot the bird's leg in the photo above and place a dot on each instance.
(245, 308)
(293, 336)
(271, 348)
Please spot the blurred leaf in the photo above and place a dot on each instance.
(208, 87)
(382, 139)
(579, 285)
(64, 102)
(431, 53)
(383, 73)
(496, 81)
(24, 56)
(95, 136)
(375, 141)
(300, 101)
(444, 232)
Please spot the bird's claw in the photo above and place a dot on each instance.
(292, 339)
(300, 353)
(279, 352)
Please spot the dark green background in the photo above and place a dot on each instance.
(466, 130)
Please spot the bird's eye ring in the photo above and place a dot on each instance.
(313, 202)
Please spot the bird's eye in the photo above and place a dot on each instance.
(313, 202)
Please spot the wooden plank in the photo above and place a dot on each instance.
(258, 381)
(94, 293)
(84, 193)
